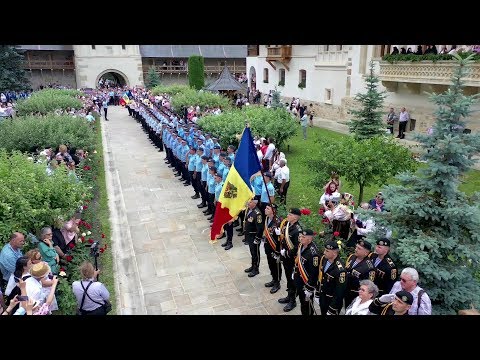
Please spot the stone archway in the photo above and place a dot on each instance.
(252, 78)
(113, 75)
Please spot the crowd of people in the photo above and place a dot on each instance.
(432, 49)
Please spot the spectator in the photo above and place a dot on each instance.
(91, 295)
(377, 203)
(403, 118)
(9, 255)
(304, 124)
(391, 117)
(366, 293)
(395, 51)
(47, 250)
(283, 180)
(409, 282)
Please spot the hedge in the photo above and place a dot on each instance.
(171, 89)
(46, 101)
(264, 122)
(193, 97)
(30, 133)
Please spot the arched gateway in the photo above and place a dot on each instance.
(118, 78)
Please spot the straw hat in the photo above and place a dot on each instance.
(39, 270)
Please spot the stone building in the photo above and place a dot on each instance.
(82, 66)
(329, 76)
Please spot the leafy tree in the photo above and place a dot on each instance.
(196, 77)
(188, 97)
(153, 79)
(368, 162)
(367, 120)
(275, 123)
(436, 226)
(12, 75)
(173, 89)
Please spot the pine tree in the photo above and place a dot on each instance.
(12, 75)
(367, 121)
(153, 79)
(436, 227)
(276, 101)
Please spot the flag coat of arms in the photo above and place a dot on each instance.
(236, 191)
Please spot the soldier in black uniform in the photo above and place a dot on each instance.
(253, 235)
(306, 271)
(288, 232)
(332, 280)
(392, 304)
(385, 269)
(272, 247)
(359, 267)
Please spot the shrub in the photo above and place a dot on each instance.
(46, 101)
(30, 133)
(276, 123)
(31, 199)
(196, 76)
(202, 98)
(170, 89)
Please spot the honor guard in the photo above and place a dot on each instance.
(359, 267)
(392, 304)
(385, 269)
(288, 232)
(332, 280)
(272, 247)
(253, 235)
(306, 271)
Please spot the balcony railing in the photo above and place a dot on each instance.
(49, 64)
(426, 72)
(252, 50)
(329, 58)
(279, 52)
(183, 69)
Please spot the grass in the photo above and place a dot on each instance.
(103, 220)
(301, 192)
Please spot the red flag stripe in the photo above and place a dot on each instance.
(222, 216)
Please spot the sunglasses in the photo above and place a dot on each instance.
(404, 280)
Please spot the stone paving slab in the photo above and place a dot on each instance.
(164, 263)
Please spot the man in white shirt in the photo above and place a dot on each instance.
(269, 153)
(403, 118)
(408, 282)
(284, 181)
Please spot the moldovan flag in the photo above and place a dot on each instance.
(125, 98)
(236, 190)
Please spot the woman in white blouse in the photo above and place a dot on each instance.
(367, 292)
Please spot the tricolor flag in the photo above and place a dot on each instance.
(236, 190)
(125, 98)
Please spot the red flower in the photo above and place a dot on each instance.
(85, 207)
(103, 236)
(80, 223)
(71, 245)
(321, 211)
(82, 239)
(62, 269)
(353, 203)
(315, 233)
(69, 258)
(86, 168)
(336, 233)
(305, 211)
(90, 241)
(102, 250)
(325, 221)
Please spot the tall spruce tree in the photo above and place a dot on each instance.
(12, 75)
(436, 227)
(367, 121)
(153, 79)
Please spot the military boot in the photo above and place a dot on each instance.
(275, 287)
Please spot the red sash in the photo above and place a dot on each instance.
(301, 270)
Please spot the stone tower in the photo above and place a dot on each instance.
(94, 61)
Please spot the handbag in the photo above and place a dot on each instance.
(107, 305)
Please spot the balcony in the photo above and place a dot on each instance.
(253, 50)
(437, 74)
(49, 64)
(183, 69)
(280, 53)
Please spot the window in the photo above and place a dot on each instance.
(302, 79)
(281, 76)
(265, 75)
(328, 96)
(123, 47)
(93, 47)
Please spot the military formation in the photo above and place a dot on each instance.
(314, 276)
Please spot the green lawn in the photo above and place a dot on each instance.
(302, 193)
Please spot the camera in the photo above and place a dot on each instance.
(94, 249)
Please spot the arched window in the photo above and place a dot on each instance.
(281, 77)
(302, 78)
(265, 75)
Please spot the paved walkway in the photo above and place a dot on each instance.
(164, 263)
